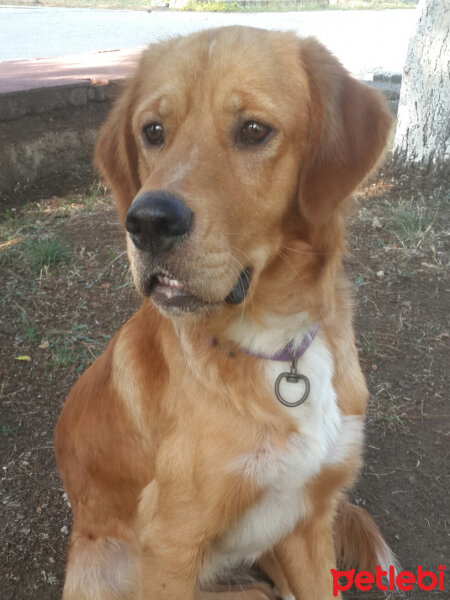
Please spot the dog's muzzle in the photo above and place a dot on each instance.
(157, 223)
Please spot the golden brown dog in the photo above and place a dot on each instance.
(225, 419)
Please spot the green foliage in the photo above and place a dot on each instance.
(252, 5)
(6, 431)
(292, 5)
(41, 253)
(29, 331)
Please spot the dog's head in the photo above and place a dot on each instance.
(225, 149)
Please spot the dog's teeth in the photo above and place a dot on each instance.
(171, 283)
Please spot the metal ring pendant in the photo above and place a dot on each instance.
(292, 378)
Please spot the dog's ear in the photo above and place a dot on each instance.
(116, 153)
(350, 123)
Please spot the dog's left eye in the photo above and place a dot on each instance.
(154, 134)
(253, 133)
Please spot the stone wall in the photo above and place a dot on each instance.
(47, 139)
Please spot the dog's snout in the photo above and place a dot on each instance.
(157, 220)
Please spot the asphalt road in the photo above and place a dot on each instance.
(364, 41)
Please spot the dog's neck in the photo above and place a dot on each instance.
(291, 351)
(271, 335)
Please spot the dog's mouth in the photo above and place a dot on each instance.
(172, 295)
(239, 291)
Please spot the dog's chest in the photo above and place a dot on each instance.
(281, 473)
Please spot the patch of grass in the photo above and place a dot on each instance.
(9, 219)
(93, 198)
(387, 415)
(65, 357)
(369, 344)
(28, 232)
(73, 347)
(386, 410)
(29, 331)
(42, 253)
(359, 281)
(6, 431)
(410, 222)
(413, 224)
(401, 274)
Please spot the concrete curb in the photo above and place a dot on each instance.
(389, 84)
(16, 105)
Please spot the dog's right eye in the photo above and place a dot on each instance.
(154, 134)
(253, 133)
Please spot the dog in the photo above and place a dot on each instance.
(224, 422)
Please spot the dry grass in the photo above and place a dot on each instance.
(39, 253)
(400, 259)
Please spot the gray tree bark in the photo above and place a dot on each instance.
(422, 136)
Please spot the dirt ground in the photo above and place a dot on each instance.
(65, 288)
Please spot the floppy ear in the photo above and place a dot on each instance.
(350, 123)
(116, 153)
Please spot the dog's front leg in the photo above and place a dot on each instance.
(172, 542)
(175, 539)
(307, 557)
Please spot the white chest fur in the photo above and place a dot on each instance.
(282, 473)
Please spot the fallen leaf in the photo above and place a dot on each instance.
(44, 345)
(23, 357)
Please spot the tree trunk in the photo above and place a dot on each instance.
(422, 136)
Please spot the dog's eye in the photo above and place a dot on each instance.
(254, 133)
(154, 134)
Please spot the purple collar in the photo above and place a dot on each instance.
(286, 354)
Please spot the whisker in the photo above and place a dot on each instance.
(288, 262)
(306, 253)
(244, 254)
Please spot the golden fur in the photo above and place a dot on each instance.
(147, 435)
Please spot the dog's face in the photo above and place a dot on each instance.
(224, 145)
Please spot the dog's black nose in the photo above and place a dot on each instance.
(158, 219)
